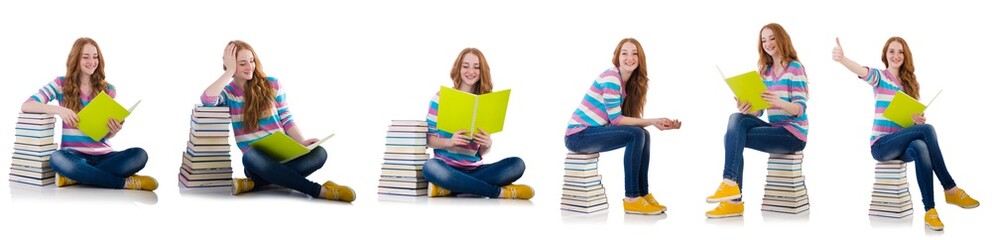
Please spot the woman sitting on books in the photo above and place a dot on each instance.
(457, 164)
(609, 117)
(785, 131)
(916, 143)
(81, 159)
(258, 109)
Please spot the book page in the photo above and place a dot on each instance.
(492, 111)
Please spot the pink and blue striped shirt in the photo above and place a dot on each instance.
(601, 105)
(465, 157)
(72, 138)
(278, 120)
(885, 89)
(791, 87)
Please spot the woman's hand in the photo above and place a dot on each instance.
(458, 139)
(68, 116)
(114, 127)
(482, 138)
(667, 124)
(744, 107)
(919, 119)
(230, 58)
(308, 142)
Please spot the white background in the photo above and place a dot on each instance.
(349, 68)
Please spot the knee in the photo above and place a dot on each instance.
(920, 147)
(928, 129)
(138, 156)
(253, 158)
(61, 161)
(734, 119)
(319, 155)
(434, 170)
(516, 165)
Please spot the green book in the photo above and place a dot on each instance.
(281, 147)
(902, 108)
(459, 110)
(748, 87)
(94, 117)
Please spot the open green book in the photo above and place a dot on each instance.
(459, 110)
(902, 108)
(283, 148)
(748, 87)
(94, 117)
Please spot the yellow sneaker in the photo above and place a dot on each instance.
(62, 181)
(433, 190)
(138, 182)
(338, 192)
(241, 185)
(641, 206)
(726, 209)
(961, 199)
(724, 193)
(933, 221)
(650, 199)
(516, 191)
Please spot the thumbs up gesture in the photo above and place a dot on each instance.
(838, 51)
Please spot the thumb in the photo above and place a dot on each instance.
(838, 41)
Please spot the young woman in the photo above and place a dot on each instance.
(259, 108)
(609, 117)
(80, 159)
(457, 164)
(915, 143)
(785, 131)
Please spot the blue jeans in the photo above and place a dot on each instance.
(485, 180)
(637, 152)
(263, 170)
(918, 144)
(108, 170)
(751, 132)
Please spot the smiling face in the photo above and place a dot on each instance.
(245, 62)
(470, 69)
(894, 54)
(628, 58)
(89, 60)
(769, 43)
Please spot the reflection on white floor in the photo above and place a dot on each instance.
(80, 193)
(728, 221)
(569, 217)
(884, 222)
(768, 216)
(638, 219)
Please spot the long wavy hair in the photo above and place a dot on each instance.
(907, 77)
(485, 84)
(637, 86)
(782, 42)
(259, 93)
(98, 83)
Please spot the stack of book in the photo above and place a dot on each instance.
(890, 195)
(406, 153)
(583, 189)
(785, 188)
(207, 159)
(33, 146)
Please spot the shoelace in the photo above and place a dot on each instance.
(134, 182)
(510, 192)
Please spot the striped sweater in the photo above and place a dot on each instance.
(72, 138)
(601, 104)
(462, 156)
(791, 87)
(278, 120)
(885, 89)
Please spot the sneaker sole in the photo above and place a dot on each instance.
(966, 207)
(724, 215)
(645, 213)
(935, 228)
(727, 198)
